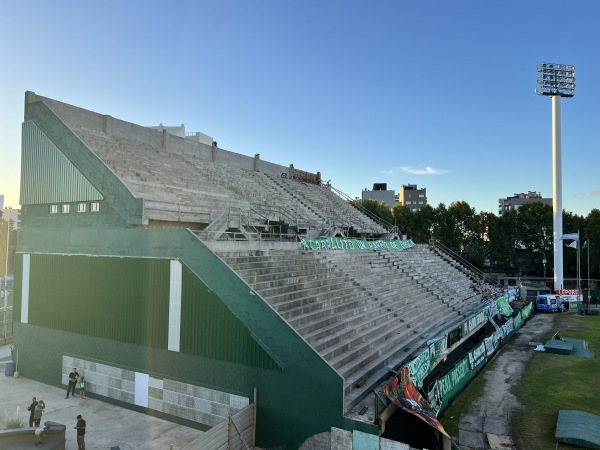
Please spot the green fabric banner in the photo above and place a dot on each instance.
(517, 321)
(472, 323)
(451, 383)
(504, 306)
(419, 367)
(526, 311)
(335, 243)
(438, 350)
(477, 356)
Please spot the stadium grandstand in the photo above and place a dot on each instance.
(190, 282)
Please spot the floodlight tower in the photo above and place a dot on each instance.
(556, 81)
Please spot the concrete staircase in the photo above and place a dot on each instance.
(364, 312)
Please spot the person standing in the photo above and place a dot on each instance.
(73, 377)
(82, 387)
(39, 409)
(80, 427)
(31, 409)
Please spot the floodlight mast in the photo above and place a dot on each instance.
(556, 81)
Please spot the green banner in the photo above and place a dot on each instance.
(419, 367)
(504, 306)
(437, 351)
(517, 321)
(526, 311)
(472, 323)
(451, 383)
(335, 243)
(477, 356)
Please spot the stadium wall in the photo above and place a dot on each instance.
(100, 295)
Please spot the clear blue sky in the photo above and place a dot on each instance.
(437, 93)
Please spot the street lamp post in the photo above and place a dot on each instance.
(556, 81)
(543, 261)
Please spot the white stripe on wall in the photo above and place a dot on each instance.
(25, 290)
(175, 306)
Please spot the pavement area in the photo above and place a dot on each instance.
(107, 425)
(487, 424)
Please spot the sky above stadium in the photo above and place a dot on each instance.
(434, 93)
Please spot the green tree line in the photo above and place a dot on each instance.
(514, 242)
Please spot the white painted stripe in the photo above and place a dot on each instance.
(175, 306)
(141, 389)
(25, 290)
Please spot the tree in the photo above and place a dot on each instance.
(404, 219)
(502, 234)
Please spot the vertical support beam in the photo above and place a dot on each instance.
(175, 306)
(25, 290)
(557, 190)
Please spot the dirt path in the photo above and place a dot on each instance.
(487, 424)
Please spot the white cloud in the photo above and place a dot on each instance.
(414, 171)
(426, 171)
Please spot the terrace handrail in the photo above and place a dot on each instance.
(374, 217)
(481, 275)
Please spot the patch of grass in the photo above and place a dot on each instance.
(11, 424)
(554, 382)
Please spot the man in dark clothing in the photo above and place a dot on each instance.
(80, 427)
(73, 377)
(31, 409)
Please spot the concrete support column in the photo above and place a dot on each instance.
(557, 191)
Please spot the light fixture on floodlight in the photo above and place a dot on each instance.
(556, 81)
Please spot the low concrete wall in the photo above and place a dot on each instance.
(25, 437)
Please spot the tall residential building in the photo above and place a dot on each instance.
(514, 202)
(412, 197)
(380, 193)
(1, 202)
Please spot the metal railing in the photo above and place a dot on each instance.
(477, 273)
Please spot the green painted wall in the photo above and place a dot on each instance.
(303, 399)
(119, 206)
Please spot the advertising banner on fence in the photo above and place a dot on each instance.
(335, 243)
(419, 367)
(451, 383)
(526, 311)
(472, 323)
(437, 351)
(402, 391)
(503, 306)
(477, 356)
(570, 295)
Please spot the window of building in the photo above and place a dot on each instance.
(53, 209)
(421, 195)
(94, 207)
(81, 207)
(64, 208)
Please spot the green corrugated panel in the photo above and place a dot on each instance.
(209, 329)
(47, 176)
(125, 299)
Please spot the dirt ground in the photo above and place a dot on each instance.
(487, 424)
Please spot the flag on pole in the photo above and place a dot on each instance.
(572, 244)
(570, 236)
(586, 244)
